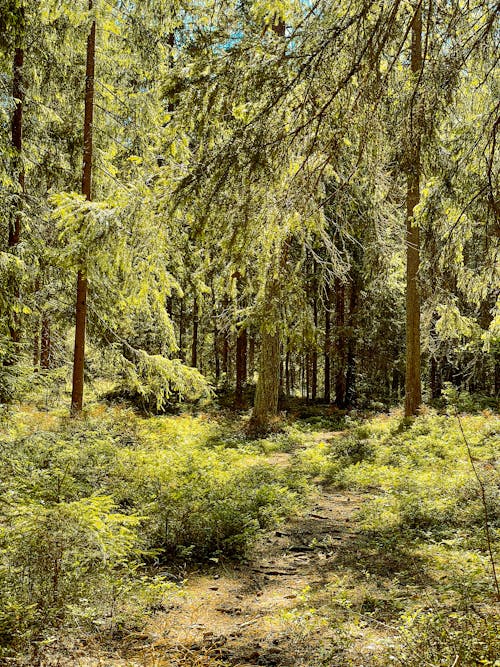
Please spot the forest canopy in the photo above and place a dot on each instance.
(265, 200)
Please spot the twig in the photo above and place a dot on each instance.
(485, 507)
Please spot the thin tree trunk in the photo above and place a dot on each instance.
(340, 377)
(413, 390)
(194, 345)
(36, 346)
(241, 367)
(225, 342)
(251, 355)
(17, 138)
(81, 282)
(314, 352)
(350, 390)
(327, 347)
(308, 376)
(216, 337)
(46, 352)
(287, 371)
(17, 144)
(181, 329)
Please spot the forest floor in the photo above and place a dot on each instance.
(258, 613)
(380, 559)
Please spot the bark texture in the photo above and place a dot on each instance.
(413, 390)
(81, 282)
(267, 390)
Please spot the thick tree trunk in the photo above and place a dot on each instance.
(267, 391)
(241, 368)
(413, 390)
(81, 283)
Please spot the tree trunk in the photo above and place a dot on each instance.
(46, 352)
(241, 367)
(340, 377)
(182, 331)
(327, 347)
(17, 138)
(81, 282)
(413, 390)
(267, 390)
(251, 355)
(287, 372)
(15, 222)
(194, 345)
(314, 352)
(350, 390)
(225, 343)
(216, 335)
(292, 375)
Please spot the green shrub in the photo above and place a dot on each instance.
(445, 637)
(55, 556)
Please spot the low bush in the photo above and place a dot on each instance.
(88, 504)
(443, 637)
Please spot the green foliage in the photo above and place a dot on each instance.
(424, 471)
(444, 637)
(154, 382)
(87, 504)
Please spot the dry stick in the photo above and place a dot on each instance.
(485, 506)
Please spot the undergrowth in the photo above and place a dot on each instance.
(91, 507)
(417, 580)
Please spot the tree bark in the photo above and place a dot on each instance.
(350, 390)
(251, 355)
(14, 235)
(340, 376)
(81, 282)
(267, 390)
(194, 345)
(17, 138)
(314, 352)
(327, 349)
(287, 372)
(182, 327)
(413, 389)
(215, 333)
(45, 347)
(241, 367)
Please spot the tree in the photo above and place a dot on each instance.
(81, 282)
(413, 391)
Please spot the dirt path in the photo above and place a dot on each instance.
(254, 614)
(249, 615)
